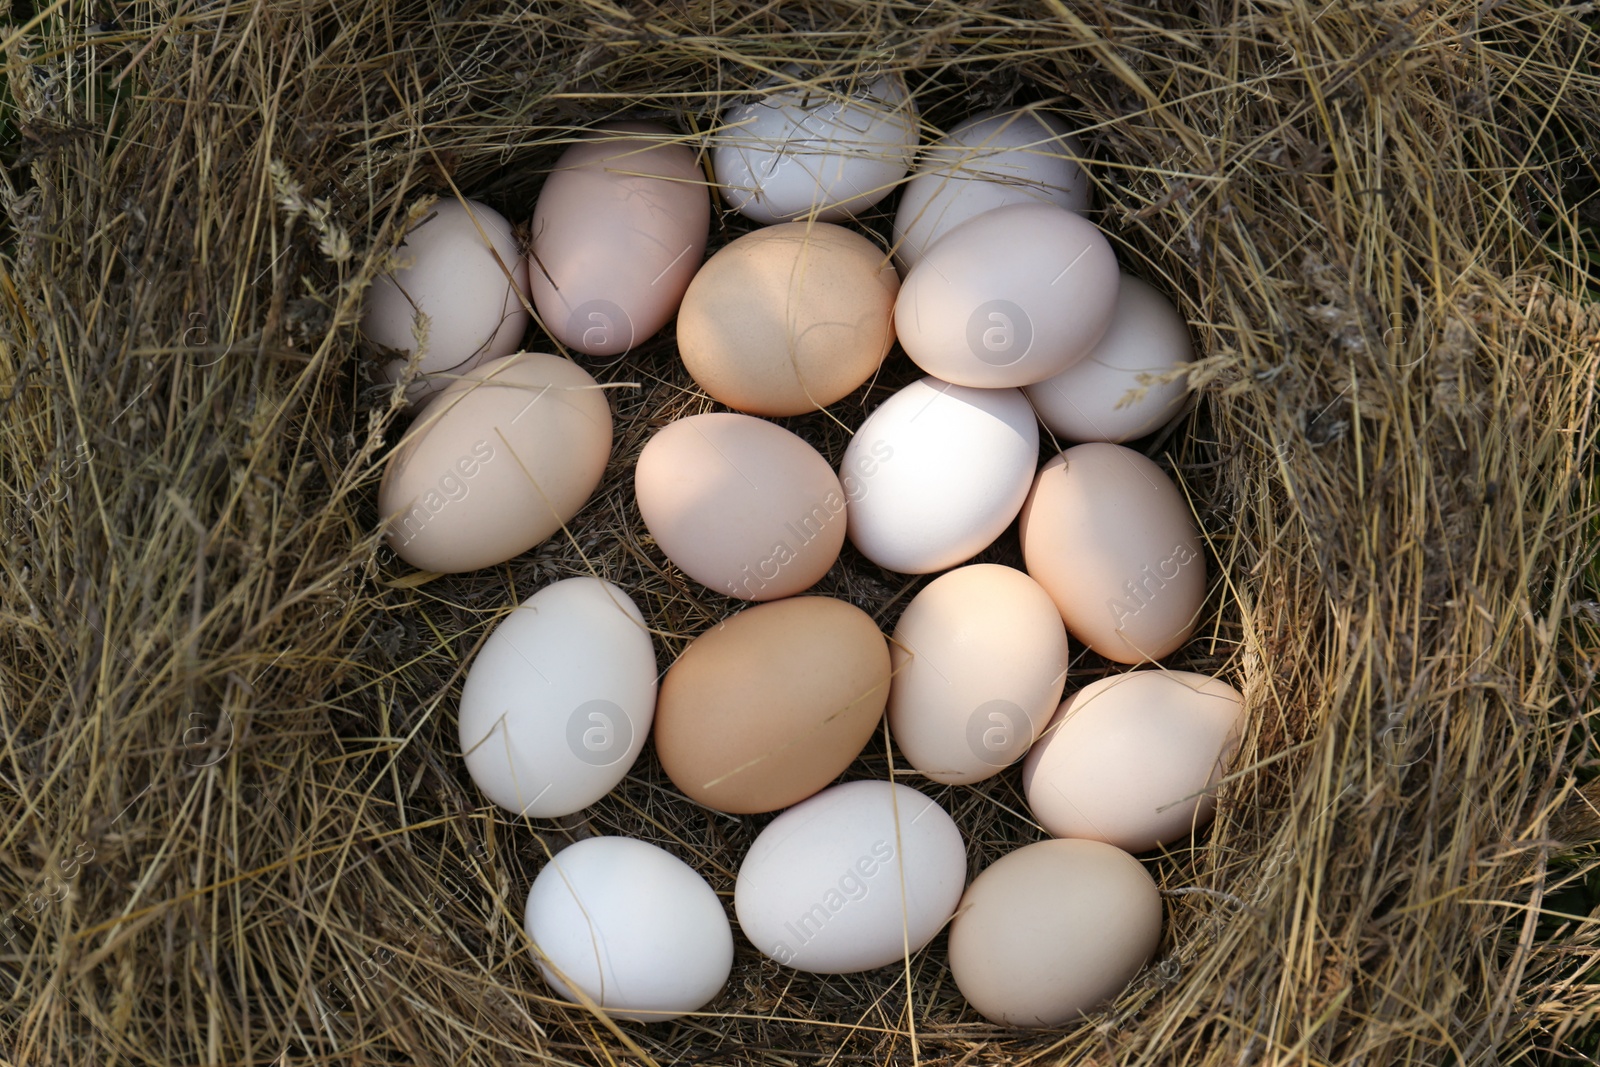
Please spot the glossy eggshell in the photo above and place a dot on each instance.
(1130, 759)
(1146, 336)
(1053, 930)
(496, 463)
(770, 705)
(852, 879)
(1008, 298)
(741, 505)
(989, 160)
(980, 660)
(804, 148)
(1110, 538)
(558, 701)
(788, 318)
(936, 473)
(619, 228)
(632, 926)
(459, 260)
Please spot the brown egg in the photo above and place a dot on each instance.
(1110, 538)
(1052, 930)
(497, 463)
(772, 704)
(789, 318)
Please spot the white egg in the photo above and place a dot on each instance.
(556, 707)
(851, 879)
(988, 161)
(466, 275)
(1146, 336)
(839, 149)
(632, 926)
(936, 473)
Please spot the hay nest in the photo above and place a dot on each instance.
(234, 826)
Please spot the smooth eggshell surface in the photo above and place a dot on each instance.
(1110, 538)
(770, 705)
(1146, 336)
(466, 275)
(496, 464)
(1049, 932)
(838, 151)
(980, 660)
(557, 704)
(989, 160)
(851, 879)
(632, 926)
(1129, 759)
(1010, 297)
(741, 505)
(936, 473)
(619, 228)
(788, 318)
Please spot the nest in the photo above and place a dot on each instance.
(234, 823)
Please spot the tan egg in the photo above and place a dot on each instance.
(619, 228)
(1053, 930)
(1110, 538)
(980, 659)
(741, 505)
(1130, 759)
(496, 464)
(789, 318)
(770, 705)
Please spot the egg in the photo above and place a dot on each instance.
(788, 318)
(464, 272)
(1110, 538)
(556, 706)
(497, 463)
(1131, 759)
(988, 161)
(936, 473)
(858, 877)
(1086, 402)
(799, 149)
(979, 662)
(618, 230)
(632, 926)
(1053, 930)
(741, 505)
(1010, 297)
(771, 704)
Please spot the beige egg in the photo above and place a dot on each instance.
(1130, 760)
(980, 660)
(1089, 401)
(464, 272)
(496, 464)
(1110, 538)
(741, 505)
(619, 228)
(789, 318)
(770, 705)
(1053, 930)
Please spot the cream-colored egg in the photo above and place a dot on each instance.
(980, 660)
(496, 463)
(1131, 759)
(1090, 400)
(465, 274)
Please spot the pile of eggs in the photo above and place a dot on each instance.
(1014, 306)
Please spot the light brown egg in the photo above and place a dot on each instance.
(789, 318)
(1110, 538)
(1051, 931)
(497, 463)
(770, 705)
